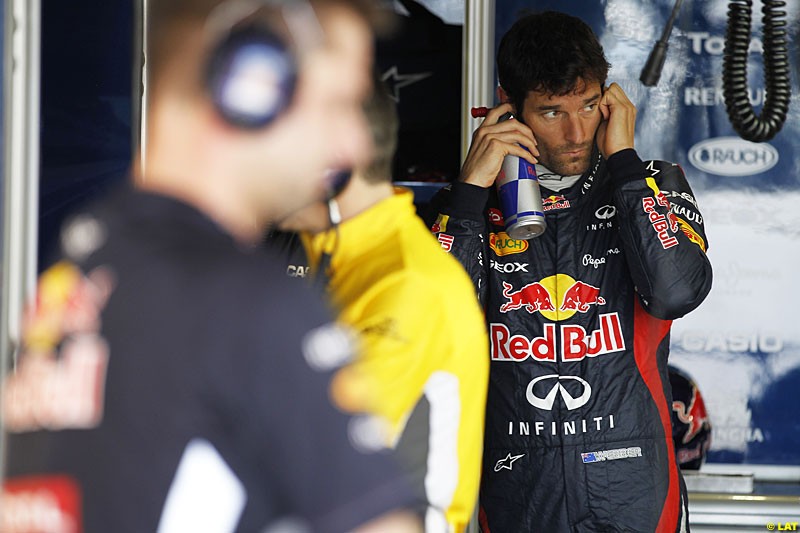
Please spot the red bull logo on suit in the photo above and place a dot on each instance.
(555, 297)
(555, 202)
(532, 297)
(580, 296)
(574, 341)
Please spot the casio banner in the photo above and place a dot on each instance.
(742, 345)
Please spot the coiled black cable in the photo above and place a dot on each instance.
(776, 70)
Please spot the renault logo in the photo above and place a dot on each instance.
(547, 402)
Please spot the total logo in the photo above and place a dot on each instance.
(555, 297)
(702, 41)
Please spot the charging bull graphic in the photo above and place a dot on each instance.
(580, 296)
(533, 297)
(545, 297)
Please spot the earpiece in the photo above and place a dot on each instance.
(251, 72)
(338, 183)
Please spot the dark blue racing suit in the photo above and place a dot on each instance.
(578, 430)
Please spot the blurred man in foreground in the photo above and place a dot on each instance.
(166, 384)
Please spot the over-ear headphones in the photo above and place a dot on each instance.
(251, 72)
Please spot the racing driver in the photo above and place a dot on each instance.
(578, 431)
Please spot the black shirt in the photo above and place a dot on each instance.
(213, 390)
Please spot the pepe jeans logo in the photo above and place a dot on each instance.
(588, 260)
(549, 399)
(732, 156)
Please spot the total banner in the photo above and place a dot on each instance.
(742, 345)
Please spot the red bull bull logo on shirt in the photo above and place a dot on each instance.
(532, 297)
(555, 297)
(580, 296)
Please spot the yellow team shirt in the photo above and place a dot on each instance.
(423, 339)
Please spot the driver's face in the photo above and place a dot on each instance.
(564, 126)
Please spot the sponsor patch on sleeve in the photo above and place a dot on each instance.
(664, 225)
(689, 231)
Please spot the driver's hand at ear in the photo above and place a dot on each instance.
(494, 140)
(616, 131)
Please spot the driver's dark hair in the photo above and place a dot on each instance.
(548, 52)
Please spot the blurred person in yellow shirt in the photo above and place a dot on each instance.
(423, 364)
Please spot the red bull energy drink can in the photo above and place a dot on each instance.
(520, 199)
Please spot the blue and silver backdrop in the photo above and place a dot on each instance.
(742, 345)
